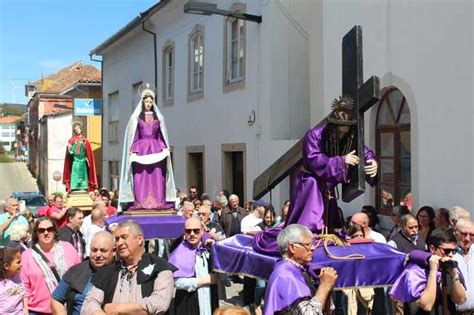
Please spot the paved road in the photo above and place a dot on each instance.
(15, 177)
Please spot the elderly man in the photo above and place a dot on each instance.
(98, 204)
(71, 233)
(363, 220)
(465, 257)
(408, 239)
(76, 282)
(455, 214)
(419, 287)
(43, 210)
(292, 285)
(232, 216)
(139, 283)
(196, 292)
(9, 219)
(214, 229)
(188, 210)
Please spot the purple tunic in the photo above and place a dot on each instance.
(321, 173)
(285, 287)
(149, 180)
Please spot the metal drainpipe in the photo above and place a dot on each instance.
(155, 54)
(101, 117)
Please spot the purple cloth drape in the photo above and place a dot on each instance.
(155, 226)
(236, 255)
(149, 181)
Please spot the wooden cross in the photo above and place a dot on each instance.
(364, 96)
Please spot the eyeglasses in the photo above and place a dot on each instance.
(202, 213)
(465, 234)
(188, 231)
(447, 251)
(307, 246)
(48, 229)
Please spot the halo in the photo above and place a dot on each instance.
(147, 89)
(76, 123)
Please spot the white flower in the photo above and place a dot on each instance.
(148, 269)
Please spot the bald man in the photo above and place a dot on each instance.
(363, 220)
(76, 282)
(97, 225)
(9, 219)
(194, 280)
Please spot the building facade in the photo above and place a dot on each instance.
(8, 126)
(235, 94)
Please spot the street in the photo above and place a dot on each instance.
(15, 177)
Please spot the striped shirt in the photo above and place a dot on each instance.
(128, 291)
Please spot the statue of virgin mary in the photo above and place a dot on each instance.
(146, 176)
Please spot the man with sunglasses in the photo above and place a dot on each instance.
(419, 286)
(292, 287)
(196, 290)
(464, 232)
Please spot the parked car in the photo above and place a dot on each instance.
(33, 200)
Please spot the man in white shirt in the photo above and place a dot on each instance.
(97, 225)
(464, 233)
(363, 220)
(250, 223)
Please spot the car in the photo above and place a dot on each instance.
(33, 200)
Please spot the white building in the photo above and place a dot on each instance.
(56, 129)
(229, 116)
(237, 116)
(8, 131)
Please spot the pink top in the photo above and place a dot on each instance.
(36, 289)
(11, 296)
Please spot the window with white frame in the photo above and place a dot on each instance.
(196, 63)
(113, 116)
(235, 49)
(169, 73)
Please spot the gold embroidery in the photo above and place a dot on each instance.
(150, 199)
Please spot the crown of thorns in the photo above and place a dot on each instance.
(343, 106)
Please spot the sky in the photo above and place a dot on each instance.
(39, 37)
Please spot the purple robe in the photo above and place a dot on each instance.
(149, 181)
(320, 173)
(307, 203)
(285, 287)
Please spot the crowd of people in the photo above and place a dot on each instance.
(61, 261)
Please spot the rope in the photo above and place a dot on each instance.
(334, 239)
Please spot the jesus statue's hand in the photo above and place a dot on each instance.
(371, 168)
(351, 158)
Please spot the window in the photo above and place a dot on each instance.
(114, 172)
(113, 115)
(234, 51)
(196, 63)
(168, 73)
(393, 145)
(5, 134)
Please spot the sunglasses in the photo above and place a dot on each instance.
(188, 231)
(447, 251)
(50, 229)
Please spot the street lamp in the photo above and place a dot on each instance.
(205, 8)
